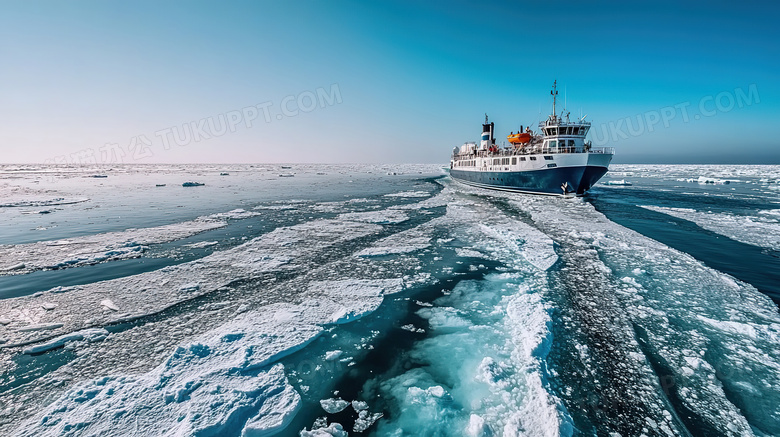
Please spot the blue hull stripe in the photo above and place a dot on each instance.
(546, 181)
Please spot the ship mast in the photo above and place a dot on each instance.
(554, 93)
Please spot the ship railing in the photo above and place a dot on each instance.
(533, 151)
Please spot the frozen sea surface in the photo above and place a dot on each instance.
(386, 300)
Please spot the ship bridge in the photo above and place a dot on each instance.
(561, 135)
(564, 136)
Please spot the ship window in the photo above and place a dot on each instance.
(522, 158)
(571, 143)
(495, 161)
(533, 158)
(575, 131)
(552, 143)
(553, 131)
(570, 130)
(552, 165)
(548, 157)
(514, 161)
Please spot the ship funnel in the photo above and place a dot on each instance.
(487, 134)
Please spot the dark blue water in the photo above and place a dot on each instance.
(755, 265)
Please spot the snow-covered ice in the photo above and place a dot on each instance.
(763, 231)
(528, 316)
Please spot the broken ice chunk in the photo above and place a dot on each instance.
(360, 405)
(92, 334)
(108, 303)
(333, 355)
(365, 420)
(39, 327)
(334, 405)
(189, 288)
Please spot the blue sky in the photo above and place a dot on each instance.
(83, 81)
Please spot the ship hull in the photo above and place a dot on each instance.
(549, 181)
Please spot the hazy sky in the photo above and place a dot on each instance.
(336, 81)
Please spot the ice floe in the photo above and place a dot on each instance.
(93, 334)
(409, 194)
(754, 230)
(94, 249)
(334, 405)
(153, 291)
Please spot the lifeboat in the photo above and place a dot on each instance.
(519, 138)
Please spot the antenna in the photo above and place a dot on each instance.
(554, 93)
(538, 117)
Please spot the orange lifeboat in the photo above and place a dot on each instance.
(519, 138)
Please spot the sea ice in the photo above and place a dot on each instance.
(333, 406)
(332, 430)
(204, 386)
(333, 355)
(153, 291)
(409, 194)
(94, 249)
(108, 303)
(754, 230)
(93, 334)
